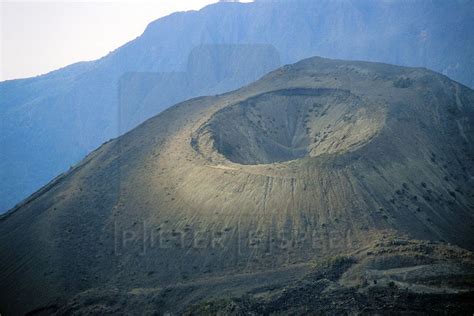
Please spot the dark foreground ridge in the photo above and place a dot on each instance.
(327, 186)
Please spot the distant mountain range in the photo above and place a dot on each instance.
(50, 122)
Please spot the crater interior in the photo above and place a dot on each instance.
(290, 124)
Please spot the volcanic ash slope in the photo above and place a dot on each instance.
(219, 196)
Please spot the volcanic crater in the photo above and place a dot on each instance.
(291, 124)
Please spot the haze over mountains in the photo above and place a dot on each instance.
(50, 122)
(328, 186)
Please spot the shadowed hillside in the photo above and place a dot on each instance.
(220, 198)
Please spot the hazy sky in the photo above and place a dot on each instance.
(39, 36)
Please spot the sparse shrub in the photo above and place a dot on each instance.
(403, 82)
(452, 109)
(210, 307)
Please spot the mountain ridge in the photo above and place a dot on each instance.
(60, 117)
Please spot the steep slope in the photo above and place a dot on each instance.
(316, 159)
(50, 122)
